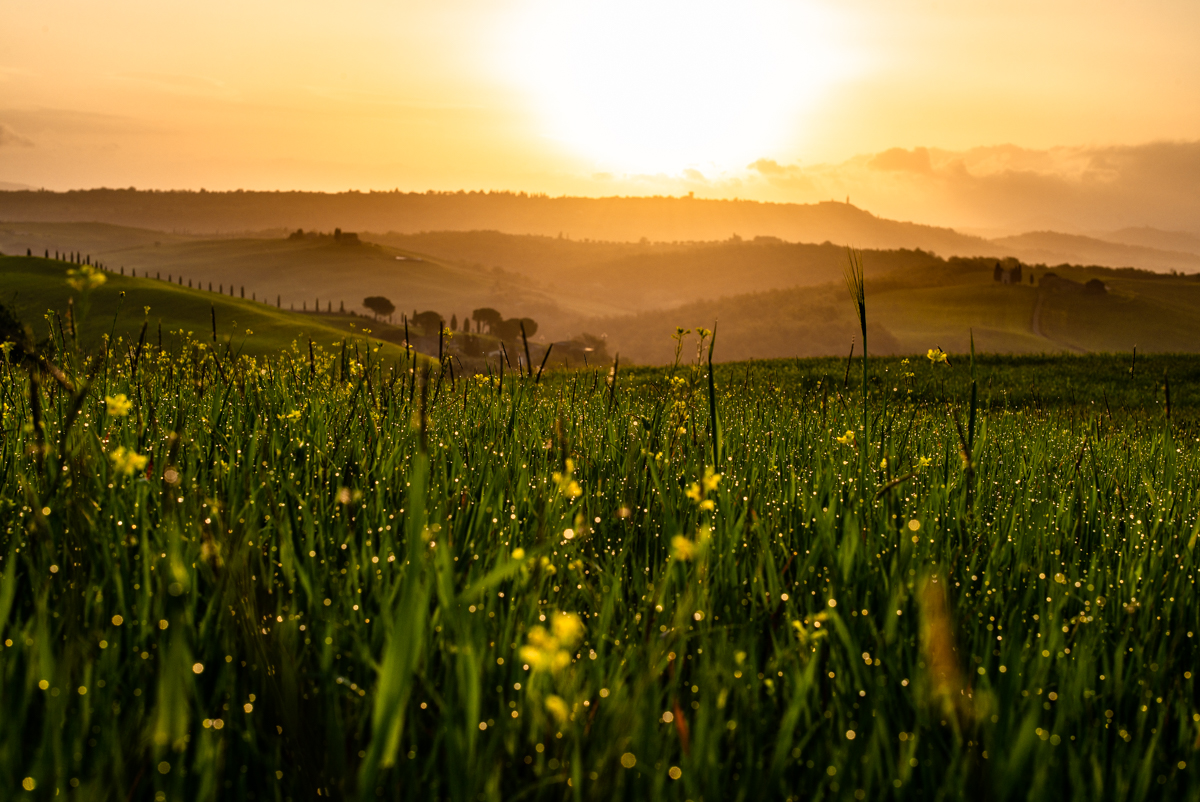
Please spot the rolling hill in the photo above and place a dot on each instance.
(35, 287)
(612, 221)
(1148, 237)
(1052, 248)
(297, 273)
(772, 298)
(910, 311)
(619, 219)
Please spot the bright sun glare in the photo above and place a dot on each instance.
(647, 86)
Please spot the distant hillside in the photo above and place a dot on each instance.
(1052, 248)
(913, 310)
(30, 287)
(609, 222)
(772, 298)
(557, 282)
(661, 219)
(653, 276)
(1155, 238)
(299, 273)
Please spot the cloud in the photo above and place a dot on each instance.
(694, 175)
(11, 139)
(899, 159)
(1007, 189)
(767, 167)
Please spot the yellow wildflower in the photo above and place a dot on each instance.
(809, 636)
(546, 651)
(847, 439)
(711, 479)
(682, 548)
(293, 415)
(126, 461)
(698, 490)
(557, 708)
(85, 278)
(936, 355)
(567, 628)
(117, 405)
(566, 483)
(924, 462)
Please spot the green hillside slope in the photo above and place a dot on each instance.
(910, 311)
(300, 273)
(32, 287)
(646, 276)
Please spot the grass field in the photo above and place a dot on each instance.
(301, 272)
(944, 304)
(122, 304)
(286, 579)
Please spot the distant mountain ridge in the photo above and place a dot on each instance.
(619, 222)
(616, 219)
(1148, 237)
(1052, 248)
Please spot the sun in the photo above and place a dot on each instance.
(640, 86)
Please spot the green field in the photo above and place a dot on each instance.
(916, 308)
(300, 273)
(34, 287)
(349, 579)
(772, 298)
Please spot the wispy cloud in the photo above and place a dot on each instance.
(11, 139)
(1009, 188)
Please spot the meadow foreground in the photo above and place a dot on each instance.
(314, 576)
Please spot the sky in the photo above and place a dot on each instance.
(953, 113)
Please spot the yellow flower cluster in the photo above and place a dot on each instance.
(683, 548)
(708, 484)
(936, 355)
(85, 278)
(810, 636)
(551, 650)
(126, 461)
(847, 439)
(566, 482)
(558, 708)
(117, 405)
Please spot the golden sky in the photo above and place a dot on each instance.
(615, 97)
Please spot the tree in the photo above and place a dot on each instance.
(427, 322)
(531, 326)
(453, 322)
(507, 330)
(488, 317)
(379, 305)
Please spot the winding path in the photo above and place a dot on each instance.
(1035, 325)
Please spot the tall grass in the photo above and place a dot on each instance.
(323, 583)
